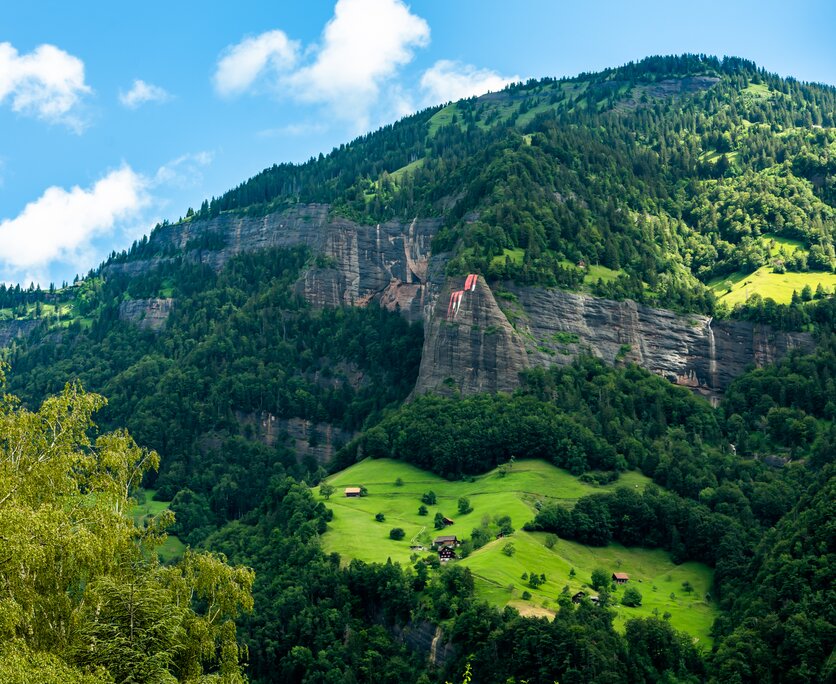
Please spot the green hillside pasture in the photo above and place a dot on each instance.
(596, 273)
(652, 572)
(398, 174)
(776, 242)
(766, 283)
(354, 533)
(515, 255)
(443, 117)
(172, 548)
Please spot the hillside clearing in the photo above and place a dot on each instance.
(354, 533)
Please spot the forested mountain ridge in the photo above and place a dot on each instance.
(668, 172)
(299, 302)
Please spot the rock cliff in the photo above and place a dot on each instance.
(386, 263)
(555, 326)
(14, 330)
(150, 314)
(472, 349)
(318, 441)
(478, 349)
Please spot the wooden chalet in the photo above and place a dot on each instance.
(446, 540)
(620, 577)
(446, 553)
(352, 491)
(581, 595)
(448, 521)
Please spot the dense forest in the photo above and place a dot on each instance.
(667, 176)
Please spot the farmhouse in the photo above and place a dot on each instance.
(447, 521)
(446, 553)
(620, 577)
(352, 491)
(446, 540)
(577, 598)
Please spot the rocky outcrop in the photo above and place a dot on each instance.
(150, 314)
(690, 350)
(427, 640)
(356, 264)
(472, 350)
(318, 441)
(15, 330)
(478, 349)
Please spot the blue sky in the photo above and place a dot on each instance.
(114, 116)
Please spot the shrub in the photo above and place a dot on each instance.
(600, 579)
(632, 597)
(380, 517)
(396, 533)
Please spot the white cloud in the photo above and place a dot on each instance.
(293, 130)
(141, 93)
(47, 83)
(448, 81)
(61, 224)
(184, 171)
(364, 44)
(242, 64)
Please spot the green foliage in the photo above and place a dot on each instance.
(632, 597)
(464, 505)
(82, 597)
(396, 533)
(239, 351)
(379, 517)
(600, 579)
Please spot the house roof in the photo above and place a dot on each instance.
(352, 490)
(621, 575)
(445, 538)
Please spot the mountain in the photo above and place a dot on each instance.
(672, 217)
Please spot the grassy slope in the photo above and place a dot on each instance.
(354, 533)
(172, 548)
(766, 283)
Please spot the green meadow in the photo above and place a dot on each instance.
(768, 284)
(172, 548)
(395, 490)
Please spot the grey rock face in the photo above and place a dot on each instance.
(15, 330)
(475, 350)
(150, 314)
(478, 350)
(319, 441)
(690, 350)
(386, 263)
